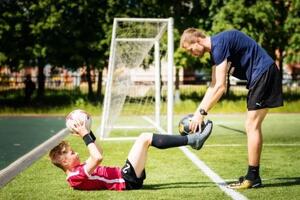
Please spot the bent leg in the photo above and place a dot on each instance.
(254, 135)
(138, 153)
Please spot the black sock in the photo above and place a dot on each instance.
(253, 172)
(167, 141)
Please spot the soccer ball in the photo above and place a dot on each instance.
(80, 115)
(183, 126)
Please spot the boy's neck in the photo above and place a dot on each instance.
(207, 44)
(71, 169)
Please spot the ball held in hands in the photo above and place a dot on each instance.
(78, 115)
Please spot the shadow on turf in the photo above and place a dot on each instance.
(161, 186)
(233, 129)
(283, 182)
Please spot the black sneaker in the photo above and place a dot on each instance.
(203, 135)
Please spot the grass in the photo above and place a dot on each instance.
(63, 101)
(170, 175)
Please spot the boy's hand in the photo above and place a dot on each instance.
(196, 122)
(79, 128)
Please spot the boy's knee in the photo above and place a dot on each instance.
(252, 125)
(145, 138)
(247, 124)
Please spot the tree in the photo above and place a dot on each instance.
(273, 24)
(15, 39)
(292, 27)
(70, 34)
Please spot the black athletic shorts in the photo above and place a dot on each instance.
(131, 181)
(266, 92)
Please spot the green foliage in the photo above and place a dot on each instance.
(181, 58)
(68, 32)
(256, 19)
(292, 26)
(73, 34)
(270, 23)
(14, 34)
(2, 57)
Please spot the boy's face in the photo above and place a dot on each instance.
(71, 159)
(194, 49)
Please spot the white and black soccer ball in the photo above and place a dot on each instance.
(79, 115)
(184, 123)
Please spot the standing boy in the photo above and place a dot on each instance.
(247, 61)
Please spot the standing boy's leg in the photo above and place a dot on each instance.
(265, 93)
(254, 139)
(254, 135)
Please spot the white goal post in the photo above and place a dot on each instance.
(132, 41)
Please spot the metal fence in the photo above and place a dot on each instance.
(71, 82)
(51, 82)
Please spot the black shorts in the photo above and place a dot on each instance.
(266, 92)
(131, 181)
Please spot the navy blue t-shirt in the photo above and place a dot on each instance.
(246, 56)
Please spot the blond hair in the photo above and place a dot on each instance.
(57, 153)
(190, 36)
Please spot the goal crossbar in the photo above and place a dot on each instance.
(135, 39)
(144, 19)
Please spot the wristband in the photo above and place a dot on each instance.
(92, 135)
(88, 139)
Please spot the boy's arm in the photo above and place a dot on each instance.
(95, 157)
(212, 95)
(95, 151)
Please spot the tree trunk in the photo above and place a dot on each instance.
(89, 81)
(99, 84)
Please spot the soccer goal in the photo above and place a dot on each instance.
(139, 85)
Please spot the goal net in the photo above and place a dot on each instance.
(139, 86)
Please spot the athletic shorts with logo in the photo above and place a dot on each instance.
(266, 92)
(131, 180)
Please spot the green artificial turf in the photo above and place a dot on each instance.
(171, 175)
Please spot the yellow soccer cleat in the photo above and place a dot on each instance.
(244, 183)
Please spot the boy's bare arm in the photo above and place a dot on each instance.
(95, 158)
(95, 151)
(217, 88)
(212, 95)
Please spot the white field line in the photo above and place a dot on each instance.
(212, 175)
(207, 171)
(26, 160)
(160, 129)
